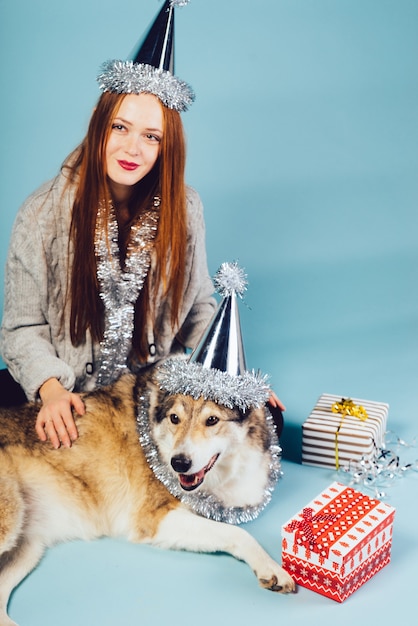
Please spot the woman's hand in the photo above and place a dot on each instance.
(55, 420)
(276, 408)
(274, 401)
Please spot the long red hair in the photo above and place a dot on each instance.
(88, 172)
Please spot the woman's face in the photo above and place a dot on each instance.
(134, 142)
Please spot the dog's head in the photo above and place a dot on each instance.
(211, 448)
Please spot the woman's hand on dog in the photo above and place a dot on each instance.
(55, 420)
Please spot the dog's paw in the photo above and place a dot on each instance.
(279, 581)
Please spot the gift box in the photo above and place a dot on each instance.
(338, 541)
(339, 430)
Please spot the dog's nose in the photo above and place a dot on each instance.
(180, 463)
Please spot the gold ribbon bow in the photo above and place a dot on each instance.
(346, 407)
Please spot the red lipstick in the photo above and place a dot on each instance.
(127, 165)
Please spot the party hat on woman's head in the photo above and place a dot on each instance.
(157, 47)
(152, 68)
(216, 369)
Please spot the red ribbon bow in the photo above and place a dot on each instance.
(304, 527)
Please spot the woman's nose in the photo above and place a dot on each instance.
(133, 145)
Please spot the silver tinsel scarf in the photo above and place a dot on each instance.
(201, 502)
(120, 287)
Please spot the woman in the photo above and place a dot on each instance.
(57, 326)
(107, 265)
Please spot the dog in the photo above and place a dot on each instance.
(104, 484)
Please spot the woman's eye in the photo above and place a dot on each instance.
(119, 127)
(174, 419)
(153, 138)
(212, 420)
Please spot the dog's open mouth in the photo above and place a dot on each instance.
(191, 481)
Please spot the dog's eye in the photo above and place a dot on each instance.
(212, 420)
(174, 419)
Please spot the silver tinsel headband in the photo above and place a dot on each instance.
(135, 78)
(247, 390)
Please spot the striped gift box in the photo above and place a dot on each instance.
(332, 439)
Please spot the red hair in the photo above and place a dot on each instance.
(88, 172)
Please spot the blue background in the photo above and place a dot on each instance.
(303, 143)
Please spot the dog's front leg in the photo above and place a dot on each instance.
(183, 530)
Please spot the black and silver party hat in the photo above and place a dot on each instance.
(157, 47)
(152, 68)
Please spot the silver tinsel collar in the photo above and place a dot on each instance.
(135, 78)
(201, 502)
(247, 390)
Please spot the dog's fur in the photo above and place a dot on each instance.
(103, 485)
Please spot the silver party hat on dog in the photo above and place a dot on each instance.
(221, 346)
(216, 369)
(152, 68)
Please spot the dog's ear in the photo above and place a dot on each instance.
(255, 421)
(157, 406)
(160, 407)
(147, 385)
(275, 413)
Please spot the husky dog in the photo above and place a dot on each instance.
(104, 485)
